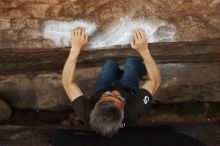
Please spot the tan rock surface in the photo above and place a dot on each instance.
(195, 20)
(28, 34)
(37, 10)
(4, 23)
(19, 23)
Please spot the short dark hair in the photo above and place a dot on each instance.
(106, 118)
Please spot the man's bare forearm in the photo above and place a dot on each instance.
(79, 39)
(141, 45)
(152, 68)
(69, 67)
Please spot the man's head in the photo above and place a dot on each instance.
(107, 115)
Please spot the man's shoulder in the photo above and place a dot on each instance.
(78, 101)
(144, 92)
(142, 97)
(138, 105)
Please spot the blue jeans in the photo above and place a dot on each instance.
(112, 74)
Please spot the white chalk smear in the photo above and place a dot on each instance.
(60, 31)
(120, 33)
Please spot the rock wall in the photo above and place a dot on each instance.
(21, 21)
(180, 83)
(31, 78)
(30, 24)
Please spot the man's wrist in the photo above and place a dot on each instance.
(73, 48)
(144, 52)
(74, 52)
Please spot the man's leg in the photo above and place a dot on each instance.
(133, 70)
(110, 73)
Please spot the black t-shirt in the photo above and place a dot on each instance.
(137, 102)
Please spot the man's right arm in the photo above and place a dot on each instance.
(141, 45)
(79, 39)
(154, 76)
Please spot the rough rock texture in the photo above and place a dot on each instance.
(21, 24)
(32, 79)
(195, 20)
(5, 110)
(42, 91)
(23, 61)
(34, 93)
(180, 83)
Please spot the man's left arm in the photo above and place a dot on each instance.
(79, 39)
(140, 44)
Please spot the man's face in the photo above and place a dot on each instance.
(113, 98)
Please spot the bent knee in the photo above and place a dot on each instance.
(132, 59)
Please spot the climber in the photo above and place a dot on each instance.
(117, 100)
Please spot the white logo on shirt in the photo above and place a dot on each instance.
(146, 99)
(122, 125)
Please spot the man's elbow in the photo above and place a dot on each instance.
(67, 83)
(64, 83)
(158, 81)
(63, 80)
